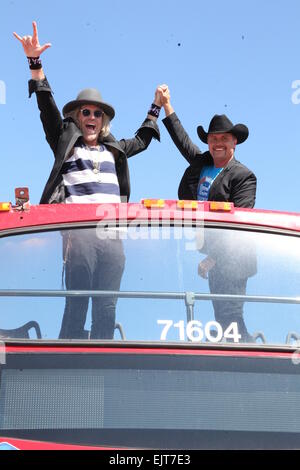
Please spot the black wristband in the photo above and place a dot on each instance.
(35, 63)
(154, 110)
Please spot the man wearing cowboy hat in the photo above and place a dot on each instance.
(217, 176)
(90, 166)
(231, 180)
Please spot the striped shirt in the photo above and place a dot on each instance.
(89, 176)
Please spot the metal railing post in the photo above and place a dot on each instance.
(189, 303)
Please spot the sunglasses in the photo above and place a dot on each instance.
(86, 112)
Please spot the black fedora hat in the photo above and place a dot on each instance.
(220, 124)
(89, 96)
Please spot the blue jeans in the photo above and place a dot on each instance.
(91, 264)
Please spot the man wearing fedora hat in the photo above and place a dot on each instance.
(216, 175)
(90, 166)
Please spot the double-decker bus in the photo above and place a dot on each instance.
(174, 376)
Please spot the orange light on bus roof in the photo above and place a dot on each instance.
(5, 206)
(193, 205)
(149, 203)
(220, 206)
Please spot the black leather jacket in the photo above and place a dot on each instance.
(236, 183)
(62, 134)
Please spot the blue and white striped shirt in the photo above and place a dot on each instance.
(89, 176)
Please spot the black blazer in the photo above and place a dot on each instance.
(62, 134)
(236, 183)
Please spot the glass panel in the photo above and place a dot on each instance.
(163, 292)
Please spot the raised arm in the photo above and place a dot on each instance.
(155, 108)
(148, 130)
(50, 115)
(178, 134)
(33, 51)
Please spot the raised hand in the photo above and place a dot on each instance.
(165, 98)
(31, 45)
(157, 97)
(164, 94)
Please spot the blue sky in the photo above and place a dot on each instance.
(238, 58)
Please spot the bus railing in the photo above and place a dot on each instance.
(188, 297)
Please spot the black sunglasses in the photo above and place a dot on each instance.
(86, 112)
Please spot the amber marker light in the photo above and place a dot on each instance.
(150, 203)
(5, 206)
(192, 205)
(220, 206)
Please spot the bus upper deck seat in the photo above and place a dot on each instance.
(22, 332)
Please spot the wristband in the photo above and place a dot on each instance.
(35, 63)
(154, 110)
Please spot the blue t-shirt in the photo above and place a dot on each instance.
(207, 177)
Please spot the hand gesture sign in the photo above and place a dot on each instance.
(31, 45)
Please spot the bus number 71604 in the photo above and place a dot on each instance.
(195, 332)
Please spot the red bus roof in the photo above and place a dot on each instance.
(50, 215)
